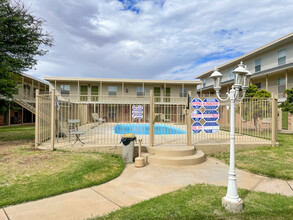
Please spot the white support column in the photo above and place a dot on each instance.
(22, 109)
(22, 86)
(122, 89)
(286, 80)
(267, 82)
(32, 90)
(78, 88)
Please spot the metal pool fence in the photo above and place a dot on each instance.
(101, 120)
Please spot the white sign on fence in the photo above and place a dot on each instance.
(137, 111)
(205, 115)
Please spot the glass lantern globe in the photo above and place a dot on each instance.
(239, 73)
(246, 79)
(217, 77)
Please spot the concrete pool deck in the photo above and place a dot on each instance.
(138, 184)
(102, 136)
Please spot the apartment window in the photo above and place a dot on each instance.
(203, 83)
(257, 65)
(282, 57)
(281, 85)
(65, 89)
(112, 90)
(183, 93)
(231, 75)
(140, 91)
(258, 85)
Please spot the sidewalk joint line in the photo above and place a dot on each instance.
(289, 185)
(6, 214)
(106, 198)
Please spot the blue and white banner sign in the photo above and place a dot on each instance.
(137, 111)
(196, 127)
(196, 103)
(210, 103)
(211, 127)
(210, 115)
(196, 115)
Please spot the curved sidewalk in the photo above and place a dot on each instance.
(135, 185)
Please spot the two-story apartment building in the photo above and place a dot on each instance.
(113, 93)
(22, 109)
(272, 68)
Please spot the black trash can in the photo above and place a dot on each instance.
(128, 147)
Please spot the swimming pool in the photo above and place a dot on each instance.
(144, 129)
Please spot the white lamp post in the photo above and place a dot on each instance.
(232, 201)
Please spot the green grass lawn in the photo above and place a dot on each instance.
(28, 174)
(17, 133)
(204, 202)
(276, 162)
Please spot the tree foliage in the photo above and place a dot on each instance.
(21, 35)
(288, 104)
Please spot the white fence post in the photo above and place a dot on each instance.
(274, 120)
(37, 119)
(188, 121)
(52, 119)
(152, 119)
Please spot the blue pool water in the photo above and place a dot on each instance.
(145, 129)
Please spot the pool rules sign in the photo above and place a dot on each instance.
(137, 111)
(205, 115)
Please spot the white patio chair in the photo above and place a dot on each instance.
(96, 118)
(164, 119)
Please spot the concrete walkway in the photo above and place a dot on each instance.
(136, 185)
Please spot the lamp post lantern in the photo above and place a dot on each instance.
(232, 201)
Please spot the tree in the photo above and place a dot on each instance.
(288, 104)
(21, 35)
(255, 105)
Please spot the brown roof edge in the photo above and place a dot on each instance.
(244, 56)
(68, 79)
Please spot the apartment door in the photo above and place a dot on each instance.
(157, 94)
(95, 93)
(83, 93)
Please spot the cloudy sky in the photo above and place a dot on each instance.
(154, 39)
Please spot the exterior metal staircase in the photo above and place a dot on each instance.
(25, 101)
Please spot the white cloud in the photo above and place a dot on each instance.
(101, 39)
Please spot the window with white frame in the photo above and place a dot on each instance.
(65, 89)
(140, 91)
(257, 65)
(281, 85)
(231, 75)
(282, 57)
(204, 83)
(112, 90)
(183, 93)
(258, 85)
